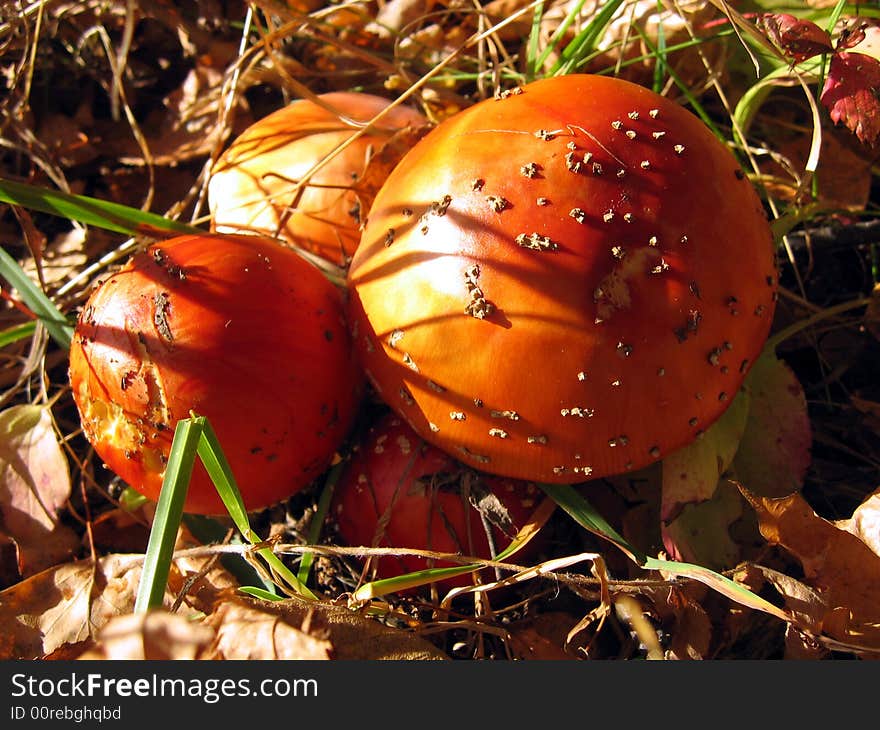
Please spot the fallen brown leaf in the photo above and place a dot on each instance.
(837, 565)
(156, 635)
(352, 634)
(34, 487)
(247, 629)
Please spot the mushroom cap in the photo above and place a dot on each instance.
(238, 329)
(399, 491)
(566, 282)
(254, 186)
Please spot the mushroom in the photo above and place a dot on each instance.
(578, 321)
(260, 184)
(399, 491)
(234, 328)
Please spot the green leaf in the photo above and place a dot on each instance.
(577, 507)
(54, 321)
(91, 211)
(169, 510)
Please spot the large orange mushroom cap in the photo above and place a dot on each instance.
(566, 282)
(262, 183)
(238, 329)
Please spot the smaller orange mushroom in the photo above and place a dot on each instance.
(262, 182)
(235, 328)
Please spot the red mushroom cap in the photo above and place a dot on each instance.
(254, 184)
(400, 491)
(237, 329)
(565, 282)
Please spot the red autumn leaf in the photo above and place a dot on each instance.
(796, 38)
(852, 94)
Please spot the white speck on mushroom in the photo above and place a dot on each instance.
(617, 124)
(631, 134)
(608, 216)
(658, 135)
(530, 169)
(498, 433)
(434, 427)
(510, 415)
(395, 337)
(540, 439)
(645, 164)
(578, 214)
(634, 115)
(409, 362)
(652, 241)
(618, 252)
(542, 201)
(497, 203)
(628, 217)
(679, 148)
(653, 113)
(536, 242)
(582, 375)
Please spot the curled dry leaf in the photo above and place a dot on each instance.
(251, 630)
(72, 602)
(865, 522)
(839, 566)
(157, 635)
(797, 38)
(318, 628)
(34, 487)
(55, 608)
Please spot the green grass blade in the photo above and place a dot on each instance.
(579, 509)
(208, 530)
(534, 40)
(417, 578)
(317, 521)
(17, 332)
(573, 56)
(91, 211)
(55, 322)
(217, 466)
(582, 512)
(260, 593)
(169, 510)
(558, 35)
(661, 58)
